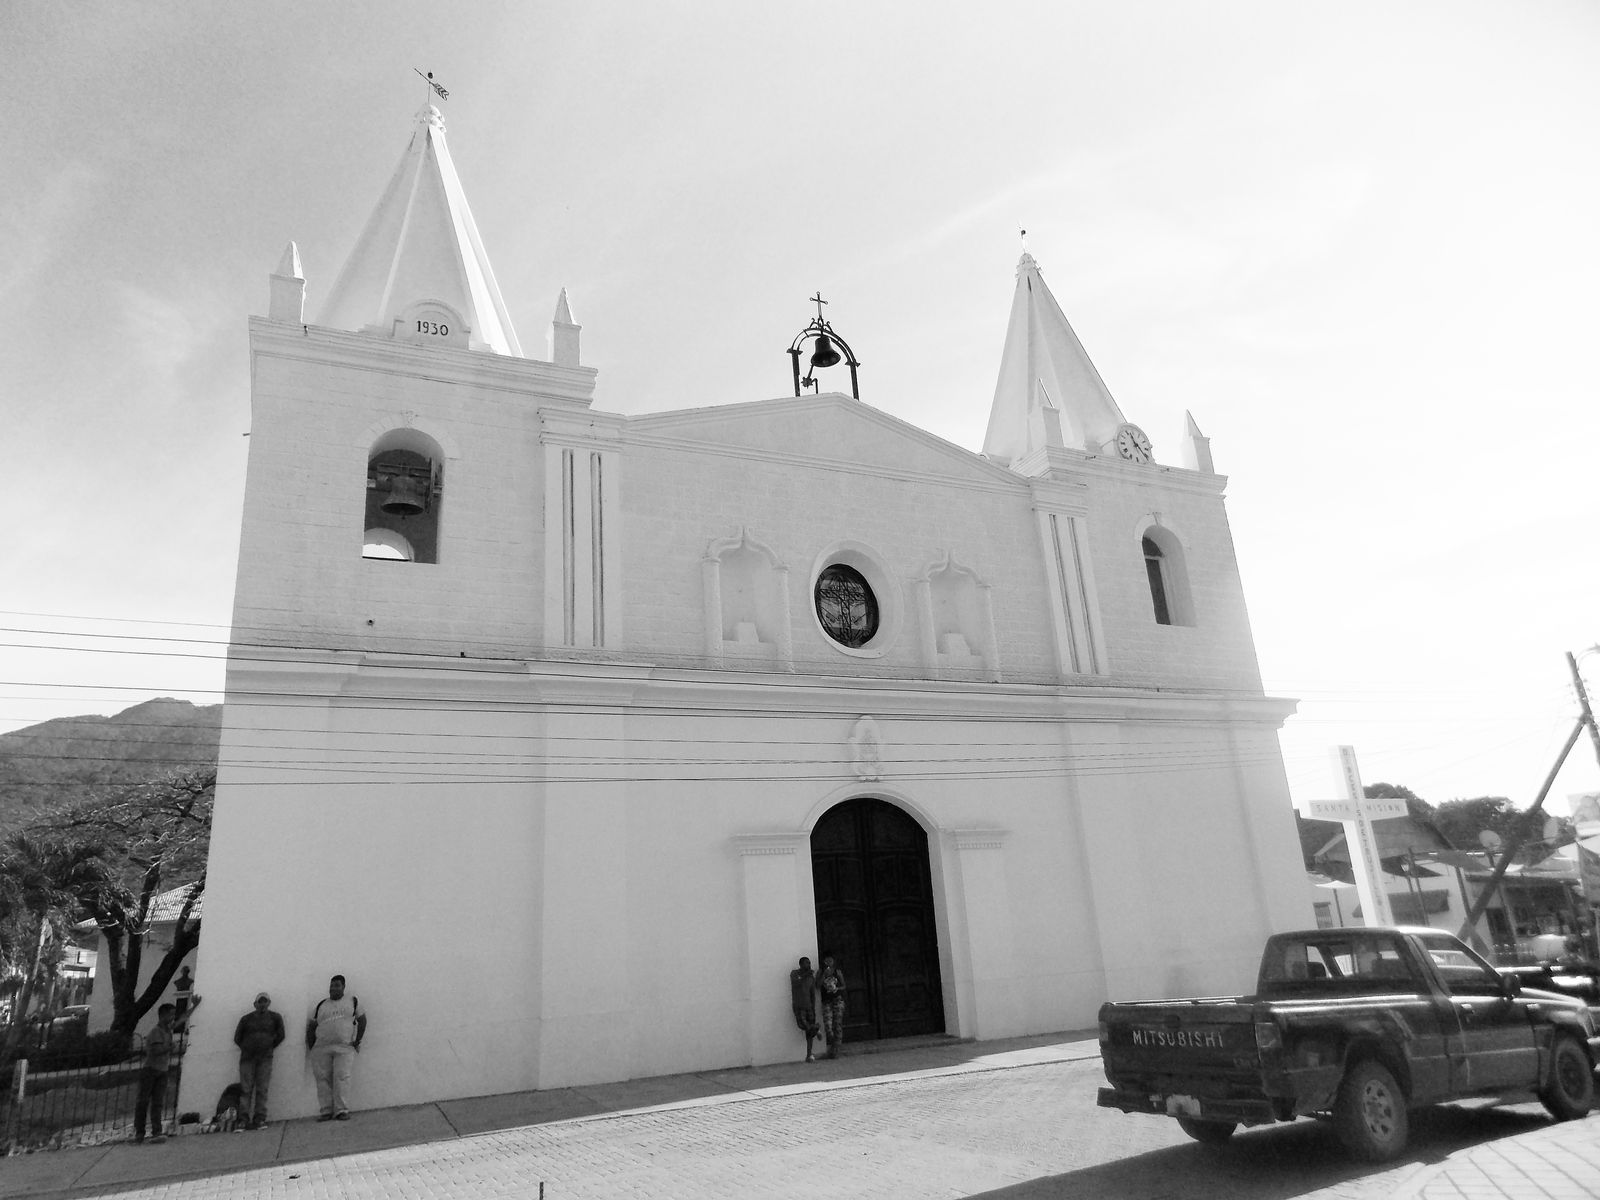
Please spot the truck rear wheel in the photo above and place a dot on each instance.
(1210, 1133)
(1370, 1113)
(1570, 1092)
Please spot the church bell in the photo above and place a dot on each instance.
(824, 355)
(407, 496)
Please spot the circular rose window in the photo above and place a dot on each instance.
(846, 607)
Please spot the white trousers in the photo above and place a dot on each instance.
(330, 1067)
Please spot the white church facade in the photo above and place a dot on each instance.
(562, 734)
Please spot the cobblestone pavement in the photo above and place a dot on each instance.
(1030, 1131)
(1558, 1162)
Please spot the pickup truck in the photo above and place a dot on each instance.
(1354, 1025)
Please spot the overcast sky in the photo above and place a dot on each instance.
(1358, 242)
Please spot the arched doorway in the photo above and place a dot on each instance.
(874, 896)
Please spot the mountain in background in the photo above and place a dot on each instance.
(74, 758)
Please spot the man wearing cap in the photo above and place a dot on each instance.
(258, 1034)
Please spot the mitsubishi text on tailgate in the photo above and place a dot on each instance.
(1359, 1025)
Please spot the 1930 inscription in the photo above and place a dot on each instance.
(434, 328)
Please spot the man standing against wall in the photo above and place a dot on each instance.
(160, 1047)
(257, 1035)
(802, 987)
(333, 1038)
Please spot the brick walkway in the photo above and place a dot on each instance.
(1560, 1162)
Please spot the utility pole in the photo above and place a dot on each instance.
(1585, 882)
(1585, 721)
(1583, 703)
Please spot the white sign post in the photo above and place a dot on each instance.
(1356, 812)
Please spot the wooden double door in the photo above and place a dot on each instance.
(874, 894)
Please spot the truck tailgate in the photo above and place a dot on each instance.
(1209, 1037)
(1193, 1058)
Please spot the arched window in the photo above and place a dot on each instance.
(1168, 576)
(405, 493)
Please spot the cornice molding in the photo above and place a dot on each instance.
(569, 427)
(770, 844)
(525, 377)
(1060, 464)
(268, 673)
(979, 839)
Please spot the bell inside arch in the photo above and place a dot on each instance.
(407, 496)
(824, 355)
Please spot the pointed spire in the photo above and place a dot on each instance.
(421, 244)
(288, 282)
(1045, 366)
(564, 334)
(289, 264)
(1196, 447)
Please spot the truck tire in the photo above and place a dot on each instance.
(1570, 1092)
(1369, 1114)
(1209, 1133)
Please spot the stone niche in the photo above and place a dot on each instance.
(957, 622)
(747, 604)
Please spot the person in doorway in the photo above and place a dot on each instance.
(333, 1039)
(831, 983)
(257, 1035)
(160, 1048)
(802, 989)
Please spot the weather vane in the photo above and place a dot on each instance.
(443, 95)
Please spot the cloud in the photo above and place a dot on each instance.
(42, 221)
(165, 334)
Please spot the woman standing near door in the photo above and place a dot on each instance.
(831, 983)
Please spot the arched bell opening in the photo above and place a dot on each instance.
(405, 493)
(1167, 573)
(874, 902)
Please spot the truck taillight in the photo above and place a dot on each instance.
(1268, 1036)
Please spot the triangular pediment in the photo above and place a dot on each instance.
(828, 429)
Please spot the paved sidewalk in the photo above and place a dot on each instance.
(1558, 1162)
(98, 1170)
(1554, 1161)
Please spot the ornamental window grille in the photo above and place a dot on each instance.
(846, 607)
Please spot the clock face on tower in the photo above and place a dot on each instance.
(1132, 444)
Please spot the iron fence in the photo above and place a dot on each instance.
(83, 1096)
